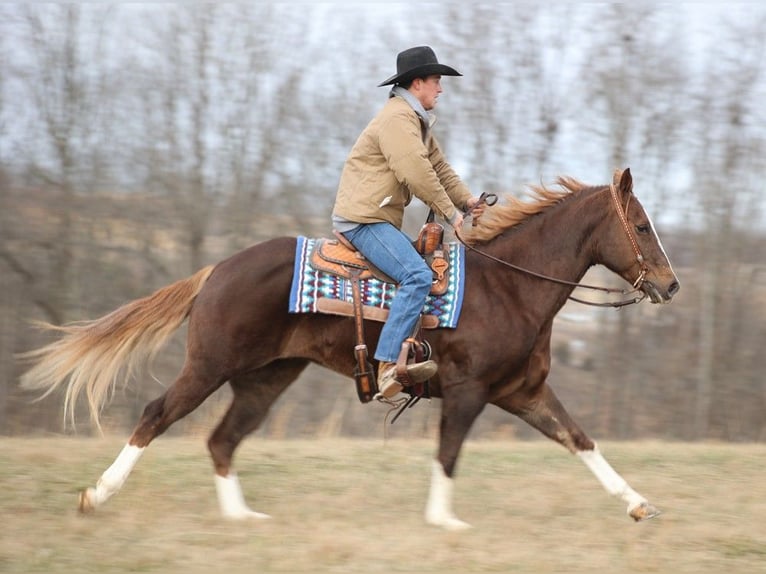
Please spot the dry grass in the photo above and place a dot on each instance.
(355, 506)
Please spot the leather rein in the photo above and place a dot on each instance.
(491, 199)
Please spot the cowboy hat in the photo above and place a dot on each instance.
(418, 62)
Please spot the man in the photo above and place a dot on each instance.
(394, 158)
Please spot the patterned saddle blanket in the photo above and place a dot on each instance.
(316, 290)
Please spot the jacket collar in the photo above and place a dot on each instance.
(428, 119)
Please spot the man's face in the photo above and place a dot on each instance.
(427, 90)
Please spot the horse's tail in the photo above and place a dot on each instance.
(91, 354)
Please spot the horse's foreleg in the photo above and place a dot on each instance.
(460, 408)
(545, 413)
(183, 396)
(231, 500)
(638, 507)
(253, 396)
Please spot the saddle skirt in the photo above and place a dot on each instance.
(322, 276)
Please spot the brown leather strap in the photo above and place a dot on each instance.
(337, 307)
(343, 240)
(401, 365)
(366, 386)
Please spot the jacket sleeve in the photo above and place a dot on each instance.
(409, 159)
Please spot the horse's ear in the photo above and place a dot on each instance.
(623, 180)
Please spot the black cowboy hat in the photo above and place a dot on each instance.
(418, 62)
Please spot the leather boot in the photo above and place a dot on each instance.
(388, 385)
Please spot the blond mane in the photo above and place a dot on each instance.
(515, 211)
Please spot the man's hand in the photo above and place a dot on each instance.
(472, 203)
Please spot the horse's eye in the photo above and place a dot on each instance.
(643, 228)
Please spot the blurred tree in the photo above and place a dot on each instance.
(729, 153)
(178, 120)
(58, 131)
(500, 127)
(61, 78)
(630, 82)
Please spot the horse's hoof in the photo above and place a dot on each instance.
(456, 525)
(247, 515)
(643, 511)
(451, 523)
(85, 505)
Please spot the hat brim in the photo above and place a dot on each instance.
(421, 72)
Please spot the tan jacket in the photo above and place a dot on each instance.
(390, 163)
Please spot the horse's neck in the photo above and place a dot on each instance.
(557, 244)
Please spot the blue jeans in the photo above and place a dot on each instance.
(391, 251)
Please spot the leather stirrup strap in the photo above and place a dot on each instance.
(401, 365)
(366, 386)
(343, 240)
(410, 347)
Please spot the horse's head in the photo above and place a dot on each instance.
(634, 250)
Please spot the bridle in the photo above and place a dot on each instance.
(491, 199)
(623, 215)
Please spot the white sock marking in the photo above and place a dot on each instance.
(439, 508)
(231, 501)
(115, 476)
(612, 482)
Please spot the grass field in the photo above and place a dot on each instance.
(356, 506)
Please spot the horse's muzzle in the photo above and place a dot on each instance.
(660, 295)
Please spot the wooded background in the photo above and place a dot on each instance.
(141, 142)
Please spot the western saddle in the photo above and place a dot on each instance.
(339, 257)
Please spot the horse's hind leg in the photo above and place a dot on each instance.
(254, 394)
(544, 412)
(186, 393)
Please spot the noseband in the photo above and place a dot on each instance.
(622, 214)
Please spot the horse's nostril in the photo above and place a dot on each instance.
(674, 287)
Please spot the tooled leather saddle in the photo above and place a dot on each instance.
(338, 256)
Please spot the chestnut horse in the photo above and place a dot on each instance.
(240, 332)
